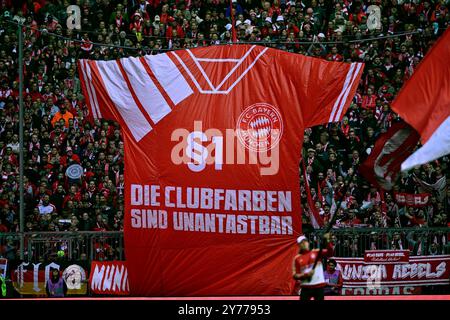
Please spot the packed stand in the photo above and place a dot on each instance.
(391, 37)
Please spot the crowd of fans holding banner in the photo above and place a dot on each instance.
(390, 37)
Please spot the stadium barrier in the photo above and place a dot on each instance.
(84, 247)
(44, 245)
(352, 242)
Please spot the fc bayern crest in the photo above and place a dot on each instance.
(260, 127)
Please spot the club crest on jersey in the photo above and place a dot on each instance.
(260, 127)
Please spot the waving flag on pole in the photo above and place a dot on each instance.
(424, 103)
(382, 166)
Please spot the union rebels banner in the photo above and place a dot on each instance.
(213, 138)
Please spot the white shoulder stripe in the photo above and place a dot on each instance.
(347, 91)
(169, 77)
(117, 89)
(146, 91)
(88, 88)
(91, 85)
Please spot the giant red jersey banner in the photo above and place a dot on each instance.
(213, 141)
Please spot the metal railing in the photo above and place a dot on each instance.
(352, 242)
(349, 242)
(80, 245)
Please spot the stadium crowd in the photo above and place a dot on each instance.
(390, 36)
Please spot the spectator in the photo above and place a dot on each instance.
(9, 250)
(45, 207)
(62, 114)
(3, 227)
(14, 144)
(86, 223)
(56, 286)
(69, 158)
(418, 244)
(333, 278)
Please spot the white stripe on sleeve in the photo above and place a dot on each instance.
(146, 91)
(88, 88)
(117, 89)
(347, 91)
(169, 77)
(91, 85)
(437, 146)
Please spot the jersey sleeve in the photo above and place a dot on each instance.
(136, 92)
(321, 90)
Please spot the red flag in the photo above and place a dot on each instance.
(424, 103)
(390, 150)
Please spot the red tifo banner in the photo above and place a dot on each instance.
(420, 271)
(109, 277)
(213, 138)
(416, 200)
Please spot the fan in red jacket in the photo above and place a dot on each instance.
(70, 156)
(310, 280)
